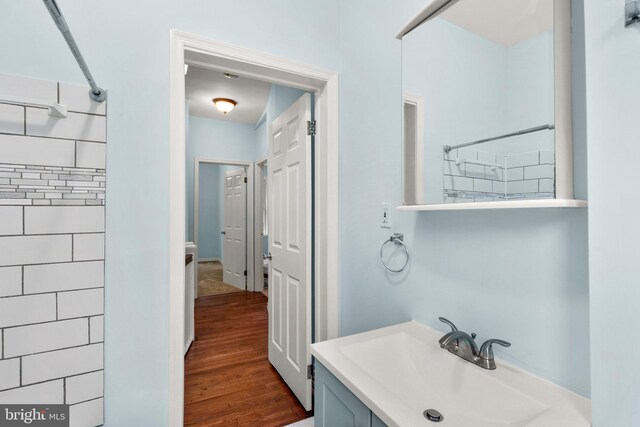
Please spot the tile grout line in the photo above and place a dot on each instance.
(56, 379)
(91, 141)
(54, 321)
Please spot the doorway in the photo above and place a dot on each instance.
(276, 70)
(261, 250)
(259, 118)
(221, 225)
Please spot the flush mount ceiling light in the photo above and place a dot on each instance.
(225, 105)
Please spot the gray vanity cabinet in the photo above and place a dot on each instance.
(376, 422)
(336, 406)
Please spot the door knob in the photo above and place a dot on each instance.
(269, 257)
(223, 232)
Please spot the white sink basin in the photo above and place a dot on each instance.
(400, 371)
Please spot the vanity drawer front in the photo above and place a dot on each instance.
(335, 405)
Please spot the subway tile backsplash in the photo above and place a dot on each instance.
(52, 219)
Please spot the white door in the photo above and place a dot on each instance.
(234, 252)
(289, 186)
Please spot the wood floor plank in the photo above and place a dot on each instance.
(228, 378)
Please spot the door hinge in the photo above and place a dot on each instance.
(245, 272)
(245, 179)
(311, 127)
(310, 372)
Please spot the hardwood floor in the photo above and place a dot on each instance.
(228, 378)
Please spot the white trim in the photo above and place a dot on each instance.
(258, 265)
(177, 191)
(418, 184)
(250, 212)
(563, 115)
(511, 204)
(261, 161)
(275, 69)
(327, 162)
(431, 10)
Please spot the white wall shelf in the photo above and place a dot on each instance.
(513, 204)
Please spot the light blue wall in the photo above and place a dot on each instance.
(280, 98)
(475, 88)
(223, 140)
(461, 77)
(518, 275)
(219, 140)
(211, 198)
(613, 108)
(126, 45)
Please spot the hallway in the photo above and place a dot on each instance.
(228, 378)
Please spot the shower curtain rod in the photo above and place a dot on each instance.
(448, 148)
(96, 93)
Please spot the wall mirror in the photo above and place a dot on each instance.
(487, 102)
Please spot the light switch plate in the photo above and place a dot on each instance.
(385, 215)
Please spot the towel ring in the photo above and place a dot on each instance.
(396, 239)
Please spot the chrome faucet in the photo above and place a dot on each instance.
(464, 346)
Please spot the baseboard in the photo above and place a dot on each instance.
(210, 260)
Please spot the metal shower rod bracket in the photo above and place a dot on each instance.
(631, 12)
(96, 93)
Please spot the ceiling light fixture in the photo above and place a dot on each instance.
(225, 105)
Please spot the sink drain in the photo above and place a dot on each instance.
(433, 415)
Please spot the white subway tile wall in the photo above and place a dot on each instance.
(50, 392)
(529, 175)
(52, 198)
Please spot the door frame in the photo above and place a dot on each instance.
(258, 266)
(274, 69)
(418, 178)
(250, 198)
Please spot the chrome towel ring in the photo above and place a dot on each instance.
(396, 239)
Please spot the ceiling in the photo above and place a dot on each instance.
(506, 22)
(203, 84)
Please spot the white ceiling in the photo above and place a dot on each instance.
(202, 85)
(506, 22)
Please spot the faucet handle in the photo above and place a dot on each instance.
(486, 351)
(448, 322)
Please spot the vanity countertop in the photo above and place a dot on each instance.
(400, 371)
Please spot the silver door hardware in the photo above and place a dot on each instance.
(310, 372)
(311, 127)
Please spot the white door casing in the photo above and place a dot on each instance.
(234, 251)
(289, 186)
